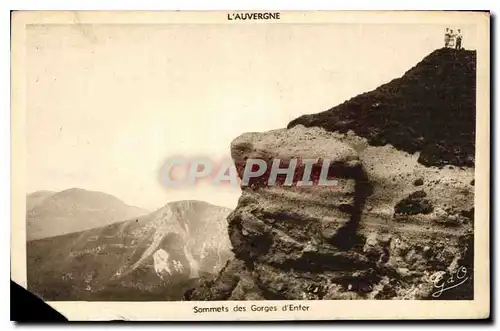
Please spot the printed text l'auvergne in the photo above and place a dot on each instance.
(253, 16)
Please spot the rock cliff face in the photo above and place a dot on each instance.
(394, 227)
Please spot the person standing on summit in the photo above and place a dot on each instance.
(451, 43)
(458, 43)
(447, 37)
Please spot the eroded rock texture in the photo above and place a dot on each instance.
(344, 242)
(395, 223)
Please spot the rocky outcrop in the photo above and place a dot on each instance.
(414, 204)
(374, 235)
(347, 241)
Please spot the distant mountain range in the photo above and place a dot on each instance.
(51, 213)
(152, 257)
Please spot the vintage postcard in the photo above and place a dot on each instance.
(182, 166)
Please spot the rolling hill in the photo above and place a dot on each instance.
(50, 214)
(36, 198)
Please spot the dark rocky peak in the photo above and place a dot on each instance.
(430, 109)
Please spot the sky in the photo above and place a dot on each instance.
(107, 104)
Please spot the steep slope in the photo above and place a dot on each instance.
(35, 198)
(75, 210)
(152, 257)
(431, 109)
(394, 227)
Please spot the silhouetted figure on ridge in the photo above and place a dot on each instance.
(452, 39)
(458, 44)
(447, 37)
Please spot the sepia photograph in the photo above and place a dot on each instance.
(245, 164)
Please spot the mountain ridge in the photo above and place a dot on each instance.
(73, 210)
(418, 112)
(33, 199)
(151, 257)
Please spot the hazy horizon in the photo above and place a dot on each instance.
(107, 104)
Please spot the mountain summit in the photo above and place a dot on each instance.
(55, 213)
(430, 109)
